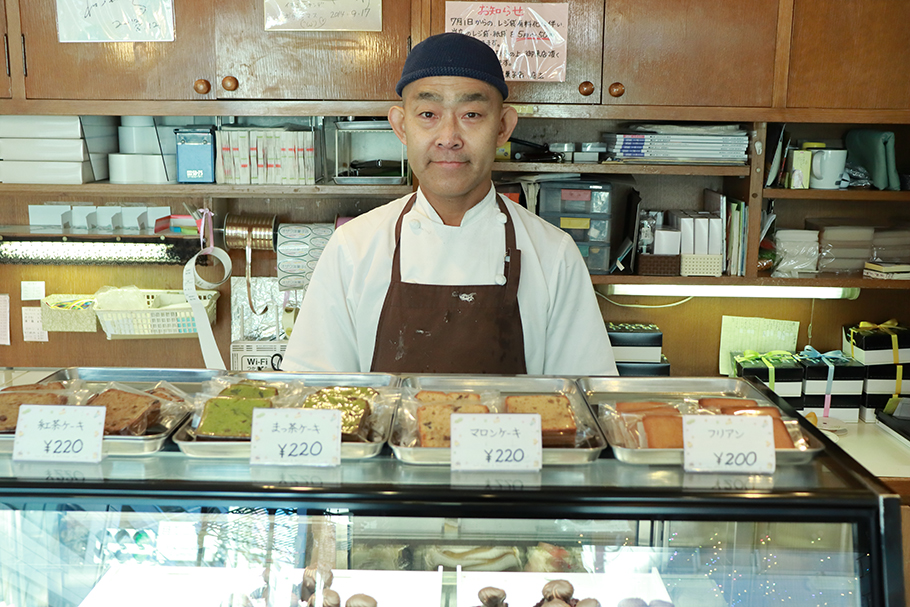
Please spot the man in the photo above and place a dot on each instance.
(454, 278)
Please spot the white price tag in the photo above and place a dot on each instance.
(296, 437)
(59, 433)
(496, 442)
(739, 444)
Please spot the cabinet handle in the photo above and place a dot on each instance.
(617, 89)
(586, 88)
(229, 83)
(202, 86)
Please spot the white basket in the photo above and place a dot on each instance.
(154, 322)
(701, 265)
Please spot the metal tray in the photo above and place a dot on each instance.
(601, 390)
(364, 125)
(240, 449)
(188, 380)
(394, 180)
(506, 386)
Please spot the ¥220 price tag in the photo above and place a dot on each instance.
(738, 444)
(296, 437)
(59, 433)
(496, 442)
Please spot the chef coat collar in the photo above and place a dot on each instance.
(479, 210)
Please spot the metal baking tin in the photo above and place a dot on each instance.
(240, 449)
(505, 386)
(600, 390)
(188, 380)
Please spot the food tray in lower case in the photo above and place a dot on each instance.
(240, 449)
(606, 390)
(188, 380)
(585, 453)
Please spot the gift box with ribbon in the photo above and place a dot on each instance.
(882, 383)
(635, 342)
(778, 369)
(887, 343)
(636, 369)
(831, 373)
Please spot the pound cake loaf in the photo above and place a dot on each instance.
(229, 417)
(10, 403)
(557, 422)
(354, 404)
(434, 396)
(637, 406)
(744, 410)
(51, 385)
(127, 413)
(434, 422)
(782, 438)
(716, 403)
(663, 431)
(248, 388)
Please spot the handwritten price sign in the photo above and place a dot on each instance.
(296, 437)
(496, 442)
(737, 444)
(59, 433)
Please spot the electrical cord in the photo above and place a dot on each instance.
(669, 305)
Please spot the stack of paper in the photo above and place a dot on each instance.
(891, 245)
(678, 148)
(257, 156)
(56, 149)
(886, 271)
(843, 246)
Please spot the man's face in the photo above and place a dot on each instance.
(452, 127)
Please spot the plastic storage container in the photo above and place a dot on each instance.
(575, 196)
(597, 257)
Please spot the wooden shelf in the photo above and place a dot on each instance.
(621, 168)
(847, 282)
(20, 232)
(871, 195)
(211, 190)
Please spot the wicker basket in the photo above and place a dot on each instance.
(658, 265)
(157, 321)
(701, 265)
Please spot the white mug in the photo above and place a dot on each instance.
(827, 168)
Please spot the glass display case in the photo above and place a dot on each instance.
(168, 529)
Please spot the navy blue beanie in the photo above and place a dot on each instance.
(453, 54)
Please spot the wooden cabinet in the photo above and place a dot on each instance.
(849, 54)
(689, 52)
(343, 65)
(5, 89)
(583, 58)
(117, 70)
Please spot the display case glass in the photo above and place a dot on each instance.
(169, 529)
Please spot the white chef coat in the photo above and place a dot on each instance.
(564, 332)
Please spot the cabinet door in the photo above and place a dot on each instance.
(117, 70)
(5, 69)
(689, 52)
(850, 54)
(342, 65)
(584, 54)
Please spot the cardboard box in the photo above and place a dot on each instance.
(799, 167)
(788, 373)
(849, 376)
(882, 379)
(635, 342)
(640, 369)
(875, 346)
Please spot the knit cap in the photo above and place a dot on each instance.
(453, 54)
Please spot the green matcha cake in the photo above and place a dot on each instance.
(354, 404)
(249, 389)
(229, 417)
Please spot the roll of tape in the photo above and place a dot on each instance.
(126, 168)
(139, 140)
(191, 279)
(159, 169)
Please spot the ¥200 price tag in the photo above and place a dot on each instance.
(738, 444)
(496, 442)
(59, 433)
(296, 437)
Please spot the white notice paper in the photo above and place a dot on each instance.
(740, 333)
(4, 319)
(109, 21)
(32, 290)
(31, 325)
(325, 15)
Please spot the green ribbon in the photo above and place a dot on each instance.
(769, 358)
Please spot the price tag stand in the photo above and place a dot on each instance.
(732, 444)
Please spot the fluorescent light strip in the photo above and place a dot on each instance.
(83, 252)
(745, 291)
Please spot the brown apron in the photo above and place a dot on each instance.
(451, 329)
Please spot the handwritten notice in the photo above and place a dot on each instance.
(530, 39)
(323, 15)
(59, 433)
(502, 443)
(730, 444)
(296, 437)
(115, 20)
